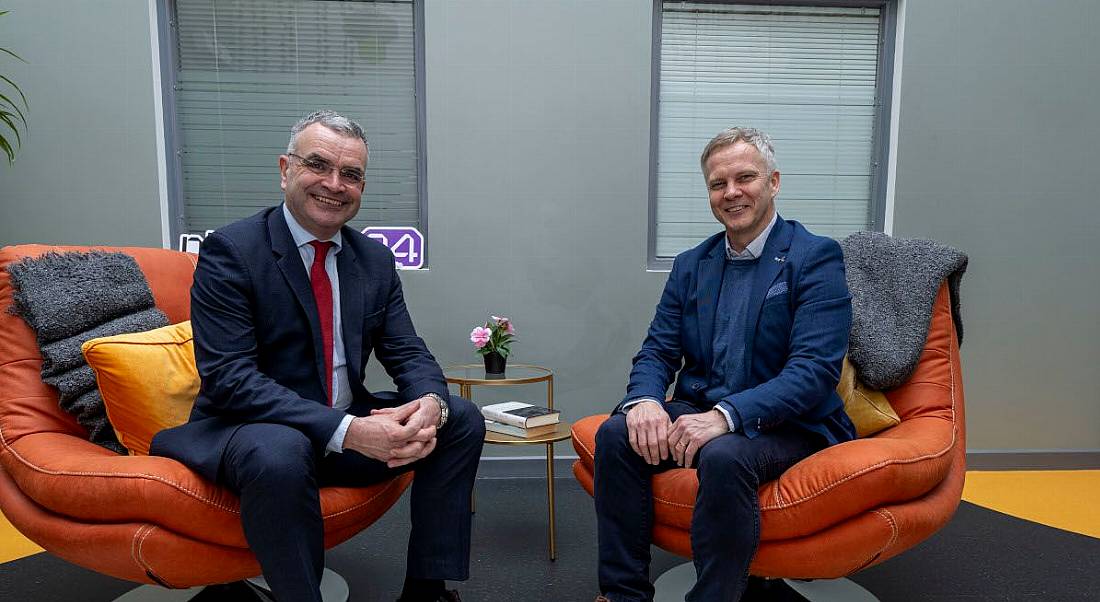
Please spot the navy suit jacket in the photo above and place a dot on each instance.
(797, 325)
(258, 338)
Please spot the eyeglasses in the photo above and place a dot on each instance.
(349, 176)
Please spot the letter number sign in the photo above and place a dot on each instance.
(406, 244)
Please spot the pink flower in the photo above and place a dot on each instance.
(480, 336)
(505, 323)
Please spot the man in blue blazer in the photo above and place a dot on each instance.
(286, 307)
(753, 325)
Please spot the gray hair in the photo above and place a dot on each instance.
(330, 119)
(731, 136)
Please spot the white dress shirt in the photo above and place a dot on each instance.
(341, 389)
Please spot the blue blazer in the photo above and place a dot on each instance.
(798, 320)
(258, 338)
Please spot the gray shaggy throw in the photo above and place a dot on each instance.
(70, 298)
(893, 282)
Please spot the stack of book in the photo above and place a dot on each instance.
(520, 419)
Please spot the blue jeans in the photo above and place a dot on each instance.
(725, 525)
(277, 474)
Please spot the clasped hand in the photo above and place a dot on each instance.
(655, 437)
(396, 436)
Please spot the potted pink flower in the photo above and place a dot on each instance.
(493, 343)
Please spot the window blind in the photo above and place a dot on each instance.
(804, 75)
(248, 69)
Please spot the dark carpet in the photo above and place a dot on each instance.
(980, 555)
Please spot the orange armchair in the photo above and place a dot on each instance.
(852, 505)
(140, 518)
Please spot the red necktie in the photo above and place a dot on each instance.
(322, 294)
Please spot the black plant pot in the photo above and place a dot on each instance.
(494, 363)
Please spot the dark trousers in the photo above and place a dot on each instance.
(277, 474)
(725, 526)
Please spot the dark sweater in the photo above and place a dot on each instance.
(728, 372)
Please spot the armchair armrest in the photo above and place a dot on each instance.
(80, 480)
(842, 481)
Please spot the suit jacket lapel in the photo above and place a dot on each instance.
(706, 291)
(772, 260)
(351, 307)
(290, 263)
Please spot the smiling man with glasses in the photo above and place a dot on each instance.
(286, 307)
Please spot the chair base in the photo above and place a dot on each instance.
(334, 588)
(831, 590)
(156, 593)
(675, 583)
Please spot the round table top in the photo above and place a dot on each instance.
(514, 374)
(561, 433)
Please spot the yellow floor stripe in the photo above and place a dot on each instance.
(13, 545)
(1063, 499)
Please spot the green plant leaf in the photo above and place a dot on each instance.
(12, 84)
(6, 118)
(6, 111)
(11, 114)
(6, 51)
(4, 100)
(4, 146)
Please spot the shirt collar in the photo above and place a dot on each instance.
(754, 248)
(302, 237)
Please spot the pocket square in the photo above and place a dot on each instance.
(777, 289)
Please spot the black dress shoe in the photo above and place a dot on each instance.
(450, 595)
(769, 590)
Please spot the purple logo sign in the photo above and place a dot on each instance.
(406, 244)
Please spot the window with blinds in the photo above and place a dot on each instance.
(246, 70)
(806, 75)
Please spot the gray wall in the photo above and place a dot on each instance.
(997, 151)
(538, 155)
(538, 146)
(87, 172)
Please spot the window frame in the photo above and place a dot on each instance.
(167, 31)
(880, 143)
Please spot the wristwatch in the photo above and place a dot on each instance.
(444, 410)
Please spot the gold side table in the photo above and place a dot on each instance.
(467, 376)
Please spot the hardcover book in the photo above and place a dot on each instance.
(515, 431)
(518, 413)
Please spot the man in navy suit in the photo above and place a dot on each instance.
(286, 307)
(753, 325)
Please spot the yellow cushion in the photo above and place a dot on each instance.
(869, 409)
(148, 381)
